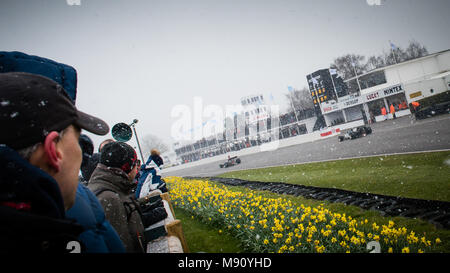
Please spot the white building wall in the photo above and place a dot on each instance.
(418, 69)
(443, 61)
(409, 72)
(415, 76)
(392, 77)
(431, 66)
(438, 86)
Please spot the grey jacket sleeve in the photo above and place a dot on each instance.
(116, 214)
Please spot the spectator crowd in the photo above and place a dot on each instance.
(56, 194)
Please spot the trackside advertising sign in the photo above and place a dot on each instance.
(350, 101)
(392, 90)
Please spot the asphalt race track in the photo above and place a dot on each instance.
(394, 136)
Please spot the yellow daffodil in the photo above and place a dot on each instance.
(249, 211)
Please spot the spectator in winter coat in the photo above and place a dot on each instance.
(93, 161)
(112, 182)
(98, 235)
(40, 160)
(87, 149)
(150, 176)
(155, 155)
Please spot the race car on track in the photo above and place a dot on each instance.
(433, 110)
(231, 162)
(356, 132)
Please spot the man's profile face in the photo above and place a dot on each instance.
(71, 155)
(133, 173)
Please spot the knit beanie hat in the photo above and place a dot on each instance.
(118, 155)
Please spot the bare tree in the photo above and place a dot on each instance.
(375, 62)
(150, 142)
(415, 50)
(347, 65)
(394, 56)
(398, 55)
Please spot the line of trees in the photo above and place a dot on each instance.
(344, 64)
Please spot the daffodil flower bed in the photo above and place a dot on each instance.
(277, 225)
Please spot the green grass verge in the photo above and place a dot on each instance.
(421, 175)
(201, 237)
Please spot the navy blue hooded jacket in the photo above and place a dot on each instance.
(61, 73)
(31, 208)
(99, 235)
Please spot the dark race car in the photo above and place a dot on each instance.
(356, 132)
(231, 162)
(433, 110)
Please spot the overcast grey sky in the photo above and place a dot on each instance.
(138, 59)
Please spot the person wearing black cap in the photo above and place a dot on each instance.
(112, 182)
(40, 160)
(91, 164)
(98, 235)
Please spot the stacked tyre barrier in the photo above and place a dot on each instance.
(435, 212)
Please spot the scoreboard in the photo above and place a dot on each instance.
(325, 86)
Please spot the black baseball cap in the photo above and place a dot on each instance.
(31, 106)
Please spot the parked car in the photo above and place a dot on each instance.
(231, 162)
(356, 132)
